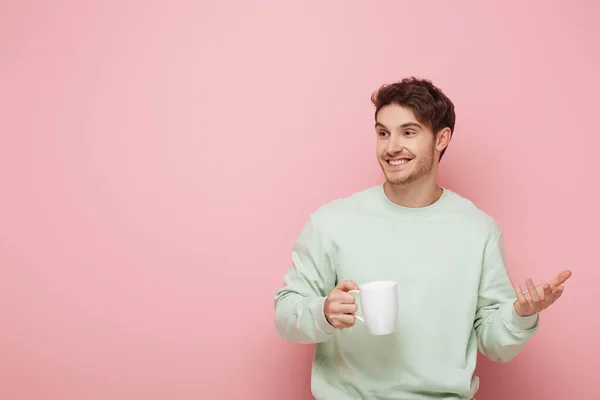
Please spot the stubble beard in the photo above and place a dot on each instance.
(423, 166)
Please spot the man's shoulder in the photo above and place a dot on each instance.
(355, 202)
(472, 213)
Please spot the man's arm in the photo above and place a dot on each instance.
(299, 304)
(501, 332)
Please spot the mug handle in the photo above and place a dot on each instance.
(358, 316)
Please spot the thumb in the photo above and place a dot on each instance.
(347, 285)
(561, 278)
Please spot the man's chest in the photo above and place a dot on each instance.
(433, 257)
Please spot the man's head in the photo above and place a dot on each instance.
(414, 121)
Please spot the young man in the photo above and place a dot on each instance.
(446, 255)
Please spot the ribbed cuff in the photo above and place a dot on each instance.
(516, 321)
(319, 313)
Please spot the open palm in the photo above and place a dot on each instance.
(538, 298)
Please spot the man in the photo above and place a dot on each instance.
(446, 255)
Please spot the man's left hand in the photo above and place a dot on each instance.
(538, 298)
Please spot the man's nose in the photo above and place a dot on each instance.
(395, 144)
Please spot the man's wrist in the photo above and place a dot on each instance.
(521, 322)
(321, 320)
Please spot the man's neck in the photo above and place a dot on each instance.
(413, 195)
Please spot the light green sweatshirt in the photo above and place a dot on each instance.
(454, 297)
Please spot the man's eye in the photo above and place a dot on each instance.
(382, 133)
(410, 133)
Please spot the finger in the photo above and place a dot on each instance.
(342, 308)
(339, 296)
(560, 288)
(346, 319)
(520, 295)
(548, 295)
(540, 289)
(535, 297)
(558, 292)
(346, 308)
(345, 298)
(347, 285)
(561, 278)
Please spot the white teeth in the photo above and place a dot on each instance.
(398, 162)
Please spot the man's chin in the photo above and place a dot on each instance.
(396, 178)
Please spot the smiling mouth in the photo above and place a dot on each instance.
(400, 162)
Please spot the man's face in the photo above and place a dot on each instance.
(405, 147)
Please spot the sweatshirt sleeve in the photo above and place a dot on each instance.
(501, 332)
(299, 315)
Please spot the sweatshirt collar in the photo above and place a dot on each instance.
(413, 211)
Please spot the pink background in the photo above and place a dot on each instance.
(158, 159)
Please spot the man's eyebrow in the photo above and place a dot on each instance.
(405, 125)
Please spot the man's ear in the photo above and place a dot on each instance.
(443, 139)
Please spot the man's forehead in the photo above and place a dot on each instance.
(396, 115)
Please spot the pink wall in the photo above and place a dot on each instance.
(158, 160)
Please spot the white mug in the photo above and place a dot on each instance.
(379, 306)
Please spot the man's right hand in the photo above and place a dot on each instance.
(340, 305)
